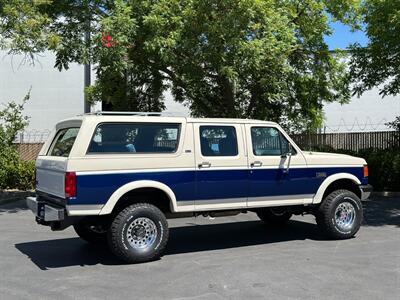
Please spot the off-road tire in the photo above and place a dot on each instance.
(89, 234)
(271, 217)
(325, 215)
(119, 236)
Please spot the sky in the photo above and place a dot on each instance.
(342, 37)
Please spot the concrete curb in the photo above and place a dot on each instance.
(385, 194)
(9, 196)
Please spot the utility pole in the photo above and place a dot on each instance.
(87, 67)
(87, 82)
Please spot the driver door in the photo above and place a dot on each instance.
(275, 175)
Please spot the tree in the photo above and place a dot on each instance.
(251, 58)
(378, 64)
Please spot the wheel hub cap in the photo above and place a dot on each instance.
(345, 215)
(141, 233)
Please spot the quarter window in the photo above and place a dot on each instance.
(63, 142)
(135, 138)
(269, 141)
(218, 141)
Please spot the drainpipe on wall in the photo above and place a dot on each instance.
(87, 76)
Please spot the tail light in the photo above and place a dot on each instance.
(365, 170)
(70, 184)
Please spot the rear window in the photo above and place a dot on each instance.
(63, 142)
(135, 138)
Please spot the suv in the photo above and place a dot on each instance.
(117, 177)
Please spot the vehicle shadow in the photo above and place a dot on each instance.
(60, 253)
(381, 212)
(67, 252)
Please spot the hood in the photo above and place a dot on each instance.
(323, 158)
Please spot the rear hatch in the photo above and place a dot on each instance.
(51, 164)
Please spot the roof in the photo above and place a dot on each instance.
(121, 117)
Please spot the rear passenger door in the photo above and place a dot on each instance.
(221, 166)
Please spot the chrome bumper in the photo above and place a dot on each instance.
(45, 211)
(366, 191)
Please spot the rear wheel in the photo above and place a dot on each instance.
(139, 233)
(275, 215)
(340, 214)
(94, 234)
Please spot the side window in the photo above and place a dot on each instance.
(135, 138)
(63, 142)
(269, 141)
(218, 141)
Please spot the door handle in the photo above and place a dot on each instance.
(205, 164)
(256, 164)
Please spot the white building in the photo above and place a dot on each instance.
(368, 113)
(57, 95)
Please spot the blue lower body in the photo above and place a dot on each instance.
(191, 185)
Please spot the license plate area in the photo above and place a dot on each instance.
(45, 212)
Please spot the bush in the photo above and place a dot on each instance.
(14, 172)
(384, 168)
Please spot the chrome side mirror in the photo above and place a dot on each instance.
(289, 156)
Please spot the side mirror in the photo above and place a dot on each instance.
(289, 155)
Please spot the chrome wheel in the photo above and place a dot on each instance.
(141, 233)
(345, 215)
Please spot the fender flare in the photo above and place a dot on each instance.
(330, 179)
(113, 200)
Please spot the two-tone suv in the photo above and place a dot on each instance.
(117, 177)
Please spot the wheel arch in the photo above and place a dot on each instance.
(137, 185)
(336, 181)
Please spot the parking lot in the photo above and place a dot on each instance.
(231, 257)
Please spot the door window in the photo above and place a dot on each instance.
(269, 141)
(218, 141)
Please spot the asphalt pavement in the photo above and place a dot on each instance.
(222, 258)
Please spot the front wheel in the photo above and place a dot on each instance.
(139, 233)
(340, 214)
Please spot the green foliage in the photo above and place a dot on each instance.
(395, 124)
(11, 122)
(14, 172)
(378, 64)
(384, 168)
(264, 59)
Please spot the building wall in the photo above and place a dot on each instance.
(55, 95)
(368, 113)
(58, 95)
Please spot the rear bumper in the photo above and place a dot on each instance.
(366, 191)
(45, 211)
